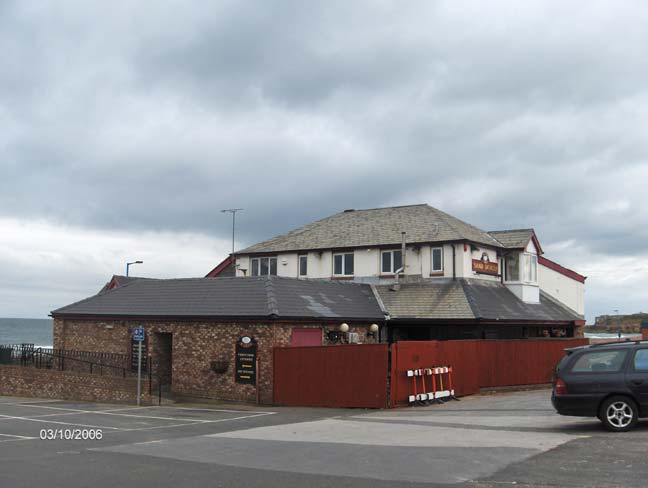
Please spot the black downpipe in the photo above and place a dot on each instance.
(454, 262)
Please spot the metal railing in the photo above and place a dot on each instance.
(108, 364)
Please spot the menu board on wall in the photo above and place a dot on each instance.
(246, 357)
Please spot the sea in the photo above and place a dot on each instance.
(26, 331)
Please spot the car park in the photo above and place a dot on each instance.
(608, 381)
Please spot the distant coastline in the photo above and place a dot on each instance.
(26, 331)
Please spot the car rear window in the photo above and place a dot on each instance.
(641, 360)
(600, 361)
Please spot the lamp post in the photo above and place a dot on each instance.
(233, 212)
(132, 262)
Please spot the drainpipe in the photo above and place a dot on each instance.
(454, 262)
(403, 251)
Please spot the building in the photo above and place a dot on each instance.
(438, 277)
(195, 327)
(360, 276)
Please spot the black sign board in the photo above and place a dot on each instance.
(134, 353)
(246, 357)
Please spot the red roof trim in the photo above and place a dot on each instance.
(536, 243)
(220, 267)
(561, 269)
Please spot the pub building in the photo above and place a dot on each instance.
(358, 276)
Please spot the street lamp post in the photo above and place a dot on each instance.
(132, 262)
(233, 212)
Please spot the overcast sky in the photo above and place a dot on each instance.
(126, 126)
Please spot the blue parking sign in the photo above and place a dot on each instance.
(138, 334)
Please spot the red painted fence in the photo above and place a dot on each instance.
(332, 376)
(479, 363)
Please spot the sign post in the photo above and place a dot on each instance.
(246, 361)
(138, 335)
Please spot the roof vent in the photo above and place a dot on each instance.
(349, 210)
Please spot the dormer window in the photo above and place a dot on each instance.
(391, 261)
(530, 268)
(512, 267)
(263, 266)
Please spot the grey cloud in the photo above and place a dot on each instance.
(154, 117)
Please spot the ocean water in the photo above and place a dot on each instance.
(26, 331)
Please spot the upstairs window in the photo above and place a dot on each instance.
(343, 264)
(391, 261)
(530, 268)
(512, 267)
(263, 266)
(303, 265)
(437, 260)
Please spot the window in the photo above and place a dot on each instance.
(263, 267)
(392, 261)
(600, 361)
(531, 268)
(343, 264)
(303, 265)
(512, 268)
(437, 260)
(641, 360)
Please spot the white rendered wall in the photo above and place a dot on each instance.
(564, 289)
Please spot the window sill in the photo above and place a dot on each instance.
(347, 277)
(437, 273)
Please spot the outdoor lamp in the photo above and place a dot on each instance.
(344, 327)
(373, 328)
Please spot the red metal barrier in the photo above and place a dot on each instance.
(478, 363)
(331, 376)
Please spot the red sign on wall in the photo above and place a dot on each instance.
(485, 267)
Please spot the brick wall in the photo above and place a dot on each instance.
(195, 345)
(67, 385)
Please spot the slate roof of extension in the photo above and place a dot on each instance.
(513, 239)
(469, 299)
(374, 227)
(259, 297)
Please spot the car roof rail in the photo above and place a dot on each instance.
(619, 343)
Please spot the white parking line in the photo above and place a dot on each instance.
(16, 436)
(56, 422)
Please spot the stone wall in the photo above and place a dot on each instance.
(195, 344)
(30, 382)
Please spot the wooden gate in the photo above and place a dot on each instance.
(332, 376)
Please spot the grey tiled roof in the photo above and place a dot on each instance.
(442, 299)
(513, 239)
(492, 300)
(232, 297)
(374, 227)
(468, 299)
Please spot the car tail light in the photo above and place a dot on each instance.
(560, 388)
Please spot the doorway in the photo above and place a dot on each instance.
(164, 355)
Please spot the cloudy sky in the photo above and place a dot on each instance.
(127, 126)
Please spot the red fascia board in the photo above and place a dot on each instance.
(561, 269)
(220, 267)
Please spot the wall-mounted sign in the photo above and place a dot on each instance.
(485, 267)
(246, 357)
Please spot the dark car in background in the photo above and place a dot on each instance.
(608, 381)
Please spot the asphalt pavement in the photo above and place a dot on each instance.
(496, 440)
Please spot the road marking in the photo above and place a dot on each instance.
(194, 422)
(17, 436)
(55, 422)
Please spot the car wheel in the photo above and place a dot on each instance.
(619, 414)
